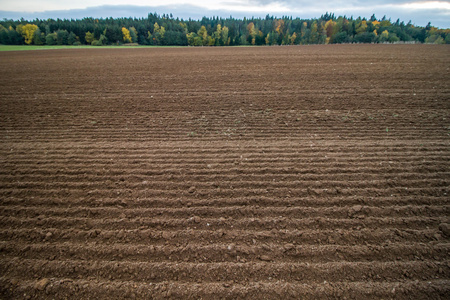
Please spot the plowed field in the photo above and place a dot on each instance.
(270, 172)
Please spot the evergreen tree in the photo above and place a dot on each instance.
(62, 37)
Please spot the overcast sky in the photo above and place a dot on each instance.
(419, 12)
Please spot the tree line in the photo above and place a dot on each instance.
(165, 30)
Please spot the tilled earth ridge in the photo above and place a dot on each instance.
(258, 172)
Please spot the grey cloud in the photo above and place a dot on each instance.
(438, 18)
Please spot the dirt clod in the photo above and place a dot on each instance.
(445, 228)
(356, 208)
(42, 284)
(288, 246)
(265, 258)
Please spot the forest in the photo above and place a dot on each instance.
(165, 30)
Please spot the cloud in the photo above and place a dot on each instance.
(426, 5)
(419, 12)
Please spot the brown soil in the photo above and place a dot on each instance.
(270, 172)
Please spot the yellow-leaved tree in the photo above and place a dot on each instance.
(218, 35)
(126, 35)
(292, 38)
(362, 27)
(331, 28)
(303, 29)
(384, 37)
(278, 25)
(225, 38)
(158, 33)
(27, 31)
(252, 32)
(89, 37)
(203, 34)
